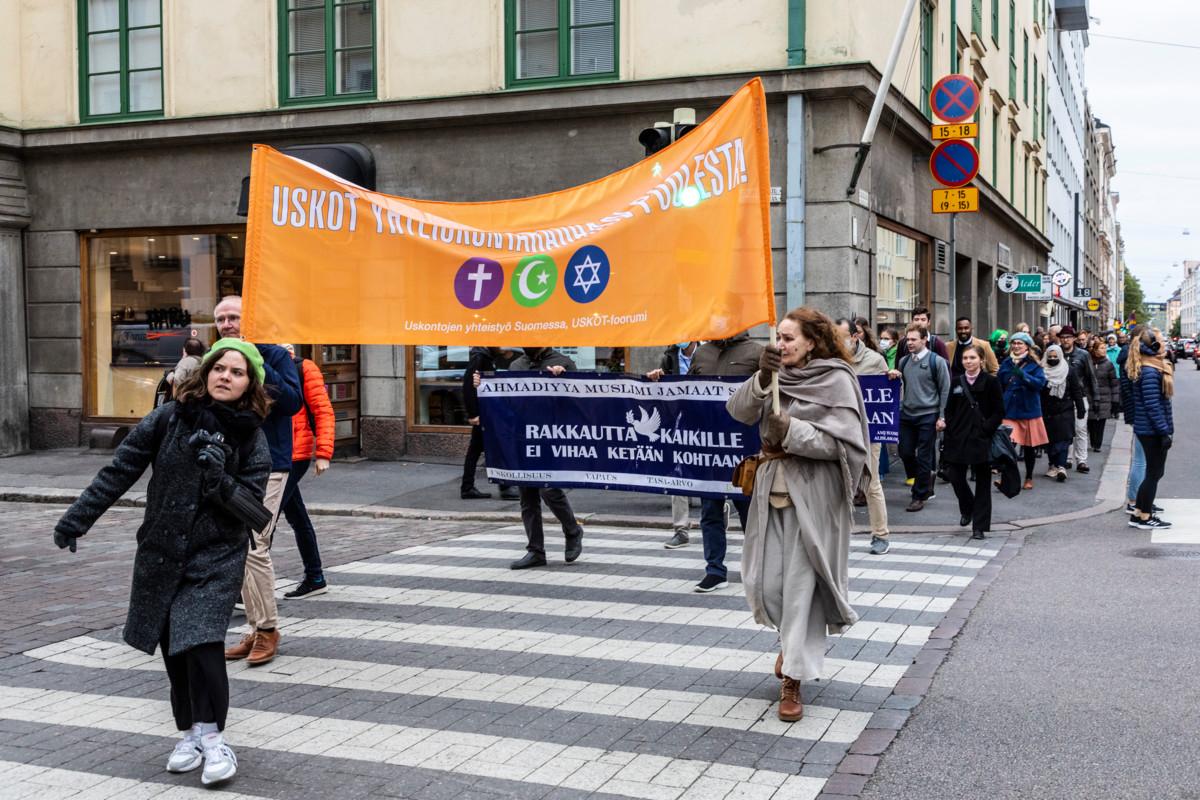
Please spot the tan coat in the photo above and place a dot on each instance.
(820, 486)
(990, 365)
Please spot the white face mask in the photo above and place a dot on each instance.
(885, 343)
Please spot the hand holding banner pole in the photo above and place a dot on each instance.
(774, 377)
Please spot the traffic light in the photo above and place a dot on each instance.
(664, 133)
(350, 161)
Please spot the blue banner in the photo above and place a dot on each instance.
(881, 396)
(596, 431)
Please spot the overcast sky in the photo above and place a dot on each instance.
(1150, 96)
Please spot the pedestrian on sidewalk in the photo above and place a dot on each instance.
(313, 429)
(1063, 406)
(889, 345)
(481, 359)
(921, 316)
(1107, 402)
(964, 333)
(209, 462)
(925, 384)
(1112, 349)
(973, 413)
(282, 382)
(1153, 387)
(866, 360)
(1081, 368)
(538, 359)
(1137, 456)
(999, 344)
(193, 351)
(795, 556)
(1022, 379)
(677, 360)
(736, 355)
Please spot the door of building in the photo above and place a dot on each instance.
(339, 364)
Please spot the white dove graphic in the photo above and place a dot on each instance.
(647, 425)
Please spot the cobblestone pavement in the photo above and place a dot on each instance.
(430, 670)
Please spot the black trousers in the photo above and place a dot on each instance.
(199, 684)
(918, 446)
(978, 504)
(1156, 467)
(531, 515)
(474, 451)
(1030, 456)
(1096, 433)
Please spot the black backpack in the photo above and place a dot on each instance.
(162, 392)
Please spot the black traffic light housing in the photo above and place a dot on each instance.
(348, 160)
(654, 139)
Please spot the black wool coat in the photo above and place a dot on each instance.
(1108, 390)
(191, 552)
(1060, 413)
(968, 437)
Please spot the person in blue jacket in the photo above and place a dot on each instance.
(258, 587)
(1022, 379)
(1153, 385)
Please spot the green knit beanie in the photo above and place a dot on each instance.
(253, 357)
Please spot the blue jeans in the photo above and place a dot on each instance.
(1137, 471)
(712, 530)
(883, 461)
(1057, 452)
(295, 512)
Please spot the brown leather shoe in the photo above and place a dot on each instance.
(791, 709)
(915, 505)
(242, 648)
(779, 666)
(265, 647)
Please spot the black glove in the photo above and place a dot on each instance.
(64, 540)
(1080, 414)
(1166, 441)
(777, 429)
(769, 362)
(211, 459)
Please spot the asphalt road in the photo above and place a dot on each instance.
(1076, 675)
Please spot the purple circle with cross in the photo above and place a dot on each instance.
(478, 282)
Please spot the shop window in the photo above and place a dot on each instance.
(898, 276)
(120, 59)
(326, 50)
(146, 294)
(437, 398)
(549, 41)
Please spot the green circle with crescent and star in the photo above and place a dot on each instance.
(533, 280)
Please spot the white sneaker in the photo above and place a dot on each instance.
(220, 763)
(187, 755)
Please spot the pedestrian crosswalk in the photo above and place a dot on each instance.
(1184, 516)
(437, 663)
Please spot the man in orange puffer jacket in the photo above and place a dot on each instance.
(317, 413)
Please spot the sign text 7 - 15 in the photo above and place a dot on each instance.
(953, 201)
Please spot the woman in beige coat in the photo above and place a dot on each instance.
(796, 550)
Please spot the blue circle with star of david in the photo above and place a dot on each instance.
(586, 274)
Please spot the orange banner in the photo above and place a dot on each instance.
(673, 248)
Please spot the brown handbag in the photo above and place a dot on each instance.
(746, 470)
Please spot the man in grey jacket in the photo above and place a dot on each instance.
(925, 381)
(549, 360)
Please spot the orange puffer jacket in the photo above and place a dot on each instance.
(316, 400)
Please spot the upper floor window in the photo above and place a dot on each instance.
(326, 50)
(549, 41)
(120, 59)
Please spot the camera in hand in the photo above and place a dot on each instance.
(202, 439)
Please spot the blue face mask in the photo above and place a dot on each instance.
(684, 345)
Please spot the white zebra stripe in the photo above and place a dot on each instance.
(820, 723)
(584, 768)
(48, 783)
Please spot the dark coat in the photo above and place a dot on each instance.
(669, 363)
(283, 385)
(968, 437)
(1108, 390)
(191, 552)
(545, 358)
(480, 360)
(1081, 368)
(1151, 407)
(735, 356)
(1126, 386)
(1060, 413)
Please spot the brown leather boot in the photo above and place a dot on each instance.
(265, 647)
(779, 666)
(242, 648)
(791, 709)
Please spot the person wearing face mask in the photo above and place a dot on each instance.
(964, 336)
(1021, 379)
(1153, 424)
(889, 341)
(999, 343)
(677, 360)
(1062, 405)
(973, 414)
(866, 360)
(795, 557)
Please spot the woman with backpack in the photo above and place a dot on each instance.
(210, 463)
(1021, 379)
(1153, 424)
(1062, 404)
(973, 414)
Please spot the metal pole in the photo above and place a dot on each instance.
(1075, 258)
(953, 277)
(885, 83)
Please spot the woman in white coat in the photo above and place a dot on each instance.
(795, 554)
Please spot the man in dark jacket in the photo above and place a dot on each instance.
(549, 360)
(258, 587)
(1081, 369)
(677, 360)
(482, 359)
(736, 355)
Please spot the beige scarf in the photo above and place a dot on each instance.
(1166, 368)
